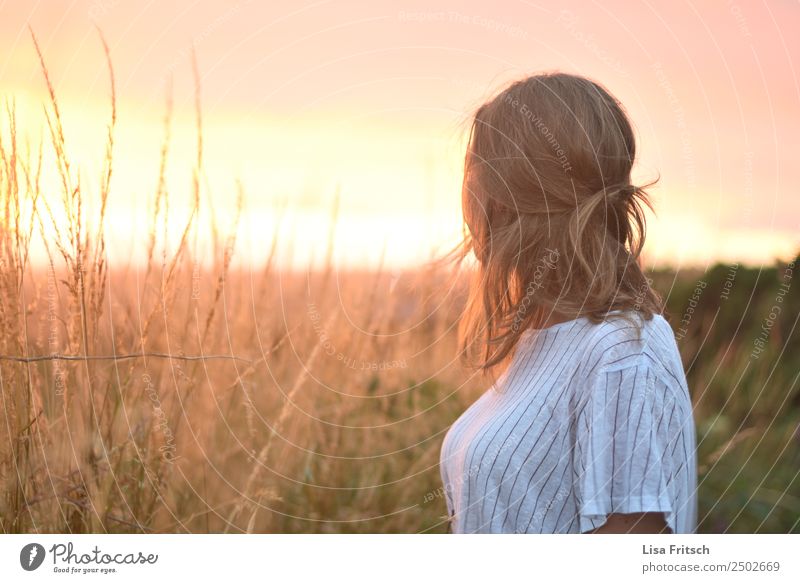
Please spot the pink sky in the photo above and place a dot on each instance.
(372, 97)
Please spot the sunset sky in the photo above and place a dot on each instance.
(370, 99)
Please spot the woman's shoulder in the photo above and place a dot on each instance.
(627, 339)
(636, 351)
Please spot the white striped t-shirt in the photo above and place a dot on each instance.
(587, 420)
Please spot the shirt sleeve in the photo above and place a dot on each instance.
(627, 424)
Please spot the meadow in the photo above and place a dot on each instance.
(193, 396)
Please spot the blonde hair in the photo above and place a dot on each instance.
(551, 214)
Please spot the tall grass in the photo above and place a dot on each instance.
(182, 397)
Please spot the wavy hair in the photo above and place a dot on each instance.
(551, 214)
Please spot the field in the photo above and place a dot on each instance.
(185, 397)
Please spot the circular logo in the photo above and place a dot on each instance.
(31, 556)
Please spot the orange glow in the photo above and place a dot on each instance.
(370, 101)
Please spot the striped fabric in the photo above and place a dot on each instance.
(587, 420)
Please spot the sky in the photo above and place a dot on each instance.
(367, 103)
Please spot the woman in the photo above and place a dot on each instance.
(589, 427)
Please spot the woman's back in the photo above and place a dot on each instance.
(587, 421)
